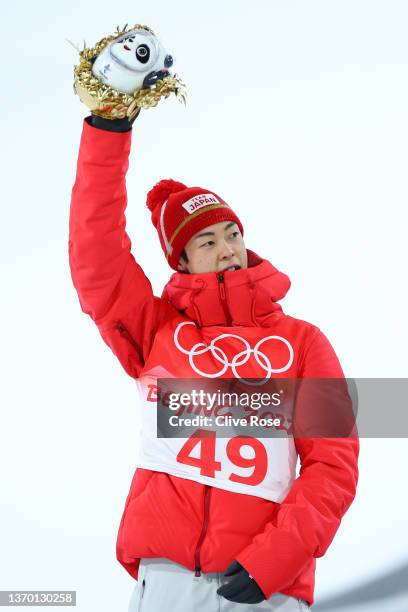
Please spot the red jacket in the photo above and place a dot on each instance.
(178, 517)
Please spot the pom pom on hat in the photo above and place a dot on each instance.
(160, 193)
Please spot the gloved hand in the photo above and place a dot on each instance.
(242, 588)
(112, 125)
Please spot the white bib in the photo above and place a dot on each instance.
(264, 467)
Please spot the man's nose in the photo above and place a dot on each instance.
(226, 250)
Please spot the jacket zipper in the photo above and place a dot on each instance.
(223, 298)
(207, 495)
(207, 491)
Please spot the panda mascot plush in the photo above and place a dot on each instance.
(132, 62)
(124, 72)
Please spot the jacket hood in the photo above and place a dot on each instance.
(242, 297)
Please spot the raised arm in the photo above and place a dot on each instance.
(112, 288)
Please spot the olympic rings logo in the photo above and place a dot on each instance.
(241, 358)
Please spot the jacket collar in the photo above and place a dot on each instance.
(242, 297)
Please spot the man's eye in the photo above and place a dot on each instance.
(209, 243)
(234, 234)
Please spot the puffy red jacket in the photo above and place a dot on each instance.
(176, 515)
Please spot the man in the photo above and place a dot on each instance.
(199, 531)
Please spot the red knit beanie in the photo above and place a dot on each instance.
(179, 212)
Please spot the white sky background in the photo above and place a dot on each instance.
(297, 115)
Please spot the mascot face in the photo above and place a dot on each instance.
(138, 50)
(134, 61)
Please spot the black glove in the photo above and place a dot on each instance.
(111, 125)
(242, 588)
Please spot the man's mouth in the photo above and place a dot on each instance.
(231, 268)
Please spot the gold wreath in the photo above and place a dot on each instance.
(109, 103)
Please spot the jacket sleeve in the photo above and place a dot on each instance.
(309, 516)
(111, 286)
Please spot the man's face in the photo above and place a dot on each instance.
(214, 249)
